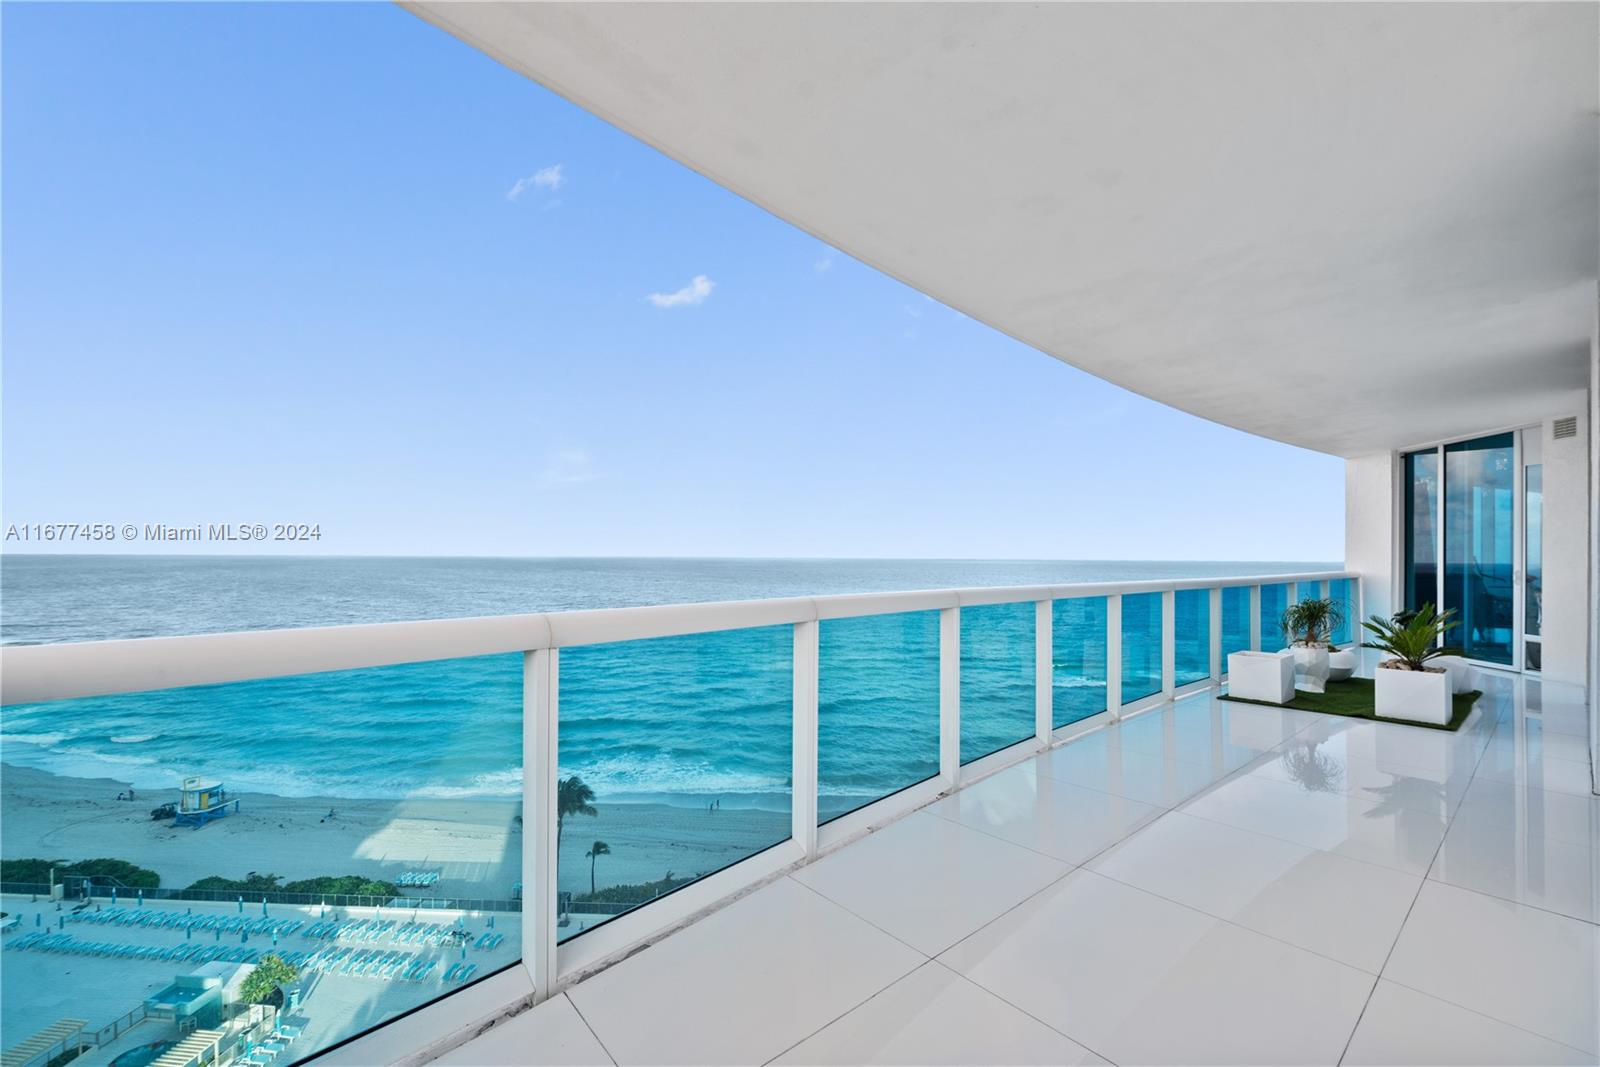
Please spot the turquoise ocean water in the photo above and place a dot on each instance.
(687, 720)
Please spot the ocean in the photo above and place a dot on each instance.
(693, 720)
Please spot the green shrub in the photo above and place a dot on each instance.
(272, 972)
(38, 872)
(635, 894)
(327, 885)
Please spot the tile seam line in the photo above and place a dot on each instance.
(585, 1019)
(1399, 933)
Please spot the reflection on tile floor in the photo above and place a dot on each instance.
(1203, 883)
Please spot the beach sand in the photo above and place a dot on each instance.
(476, 844)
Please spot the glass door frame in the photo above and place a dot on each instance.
(1519, 520)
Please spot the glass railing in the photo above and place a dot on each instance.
(1274, 602)
(877, 708)
(354, 797)
(675, 762)
(1235, 621)
(1141, 646)
(355, 836)
(997, 678)
(1340, 592)
(1078, 655)
(1191, 610)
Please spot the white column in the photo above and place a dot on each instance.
(1043, 672)
(1214, 631)
(1114, 655)
(540, 713)
(803, 792)
(1169, 643)
(949, 696)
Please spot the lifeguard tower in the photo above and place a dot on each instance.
(202, 800)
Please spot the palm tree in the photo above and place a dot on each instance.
(572, 798)
(596, 850)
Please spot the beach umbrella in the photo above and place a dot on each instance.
(113, 894)
(263, 905)
(241, 903)
(141, 898)
(274, 939)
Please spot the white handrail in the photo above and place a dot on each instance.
(37, 673)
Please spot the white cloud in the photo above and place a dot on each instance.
(548, 178)
(822, 265)
(693, 293)
(569, 466)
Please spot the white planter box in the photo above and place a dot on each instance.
(1267, 676)
(1463, 679)
(1311, 668)
(1342, 664)
(1413, 696)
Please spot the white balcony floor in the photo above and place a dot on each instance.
(1205, 883)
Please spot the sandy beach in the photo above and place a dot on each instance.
(475, 844)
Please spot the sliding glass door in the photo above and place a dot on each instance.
(1463, 505)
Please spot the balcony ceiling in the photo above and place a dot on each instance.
(1349, 227)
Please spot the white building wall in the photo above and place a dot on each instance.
(1568, 604)
(1371, 532)
(1594, 545)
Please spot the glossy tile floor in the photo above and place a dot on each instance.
(1208, 882)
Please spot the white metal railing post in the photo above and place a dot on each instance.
(1291, 593)
(1214, 631)
(803, 791)
(1169, 643)
(540, 690)
(949, 696)
(1255, 618)
(1043, 672)
(1114, 655)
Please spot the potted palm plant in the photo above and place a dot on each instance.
(1406, 686)
(1308, 624)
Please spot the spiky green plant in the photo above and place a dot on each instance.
(1312, 622)
(1414, 642)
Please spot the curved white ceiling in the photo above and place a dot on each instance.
(1346, 226)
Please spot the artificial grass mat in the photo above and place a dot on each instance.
(1353, 697)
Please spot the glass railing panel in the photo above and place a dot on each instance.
(1235, 621)
(1340, 593)
(675, 762)
(354, 835)
(1078, 652)
(1191, 612)
(1308, 591)
(877, 708)
(1274, 602)
(997, 677)
(1141, 645)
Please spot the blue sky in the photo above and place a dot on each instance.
(322, 263)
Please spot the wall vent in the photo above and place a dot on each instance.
(1564, 428)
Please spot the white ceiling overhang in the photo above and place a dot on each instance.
(1350, 227)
